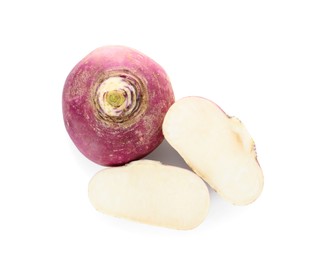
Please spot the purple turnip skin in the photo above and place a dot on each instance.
(114, 102)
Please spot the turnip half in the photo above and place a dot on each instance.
(149, 192)
(114, 102)
(217, 147)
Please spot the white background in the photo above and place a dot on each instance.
(262, 61)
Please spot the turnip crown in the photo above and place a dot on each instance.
(115, 98)
(120, 96)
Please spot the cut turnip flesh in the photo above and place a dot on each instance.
(217, 147)
(149, 192)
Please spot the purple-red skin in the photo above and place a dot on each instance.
(116, 143)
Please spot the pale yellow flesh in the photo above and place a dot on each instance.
(217, 147)
(149, 192)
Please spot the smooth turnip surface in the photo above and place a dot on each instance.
(149, 192)
(114, 102)
(217, 147)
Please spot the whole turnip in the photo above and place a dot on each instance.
(114, 102)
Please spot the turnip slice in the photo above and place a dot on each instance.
(149, 192)
(217, 147)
